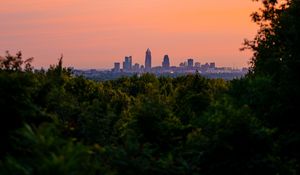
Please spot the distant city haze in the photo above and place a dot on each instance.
(97, 33)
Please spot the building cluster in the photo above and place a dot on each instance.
(208, 70)
(187, 66)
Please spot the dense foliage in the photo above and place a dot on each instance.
(57, 123)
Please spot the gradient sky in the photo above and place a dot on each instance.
(97, 33)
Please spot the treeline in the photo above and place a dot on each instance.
(53, 122)
(56, 123)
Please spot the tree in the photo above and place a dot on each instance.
(15, 63)
(277, 55)
(277, 58)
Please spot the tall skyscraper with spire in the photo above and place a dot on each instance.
(148, 60)
(166, 62)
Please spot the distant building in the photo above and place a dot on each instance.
(127, 64)
(116, 67)
(166, 62)
(148, 60)
(197, 64)
(205, 66)
(182, 64)
(212, 65)
(245, 69)
(136, 67)
(185, 64)
(190, 63)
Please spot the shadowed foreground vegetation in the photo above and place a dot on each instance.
(56, 123)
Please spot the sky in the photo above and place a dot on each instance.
(97, 33)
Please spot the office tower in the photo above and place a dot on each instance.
(197, 64)
(136, 67)
(190, 63)
(166, 62)
(212, 65)
(148, 60)
(129, 61)
(127, 64)
(116, 67)
(182, 64)
(205, 66)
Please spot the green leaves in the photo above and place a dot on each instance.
(56, 123)
(43, 151)
(15, 63)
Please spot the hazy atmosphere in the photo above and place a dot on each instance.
(94, 34)
(149, 87)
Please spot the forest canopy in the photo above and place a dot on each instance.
(54, 122)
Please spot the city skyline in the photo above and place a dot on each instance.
(130, 65)
(188, 66)
(91, 34)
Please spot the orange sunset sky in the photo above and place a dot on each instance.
(97, 33)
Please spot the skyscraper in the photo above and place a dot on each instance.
(197, 64)
(136, 67)
(127, 64)
(117, 67)
(148, 60)
(166, 62)
(190, 62)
